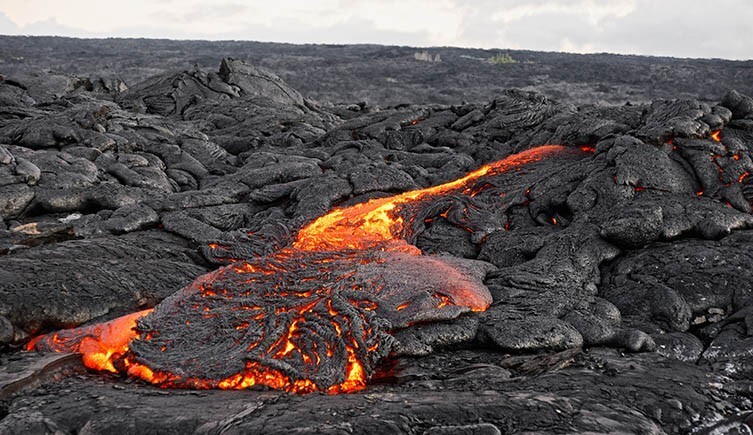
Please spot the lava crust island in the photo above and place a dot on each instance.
(516, 265)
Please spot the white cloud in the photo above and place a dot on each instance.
(595, 11)
(691, 28)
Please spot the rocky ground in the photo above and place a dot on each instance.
(620, 279)
(391, 75)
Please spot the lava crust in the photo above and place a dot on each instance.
(313, 315)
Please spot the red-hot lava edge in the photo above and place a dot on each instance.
(374, 225)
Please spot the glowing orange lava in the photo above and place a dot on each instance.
(99, 344)
(378, 221)
(377, 225)
(716, 135)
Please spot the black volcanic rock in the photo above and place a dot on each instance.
(257, 82)
(634, 237)
(102, 275)
(741, 106)
(349, 75)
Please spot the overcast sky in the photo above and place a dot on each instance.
(682, 28)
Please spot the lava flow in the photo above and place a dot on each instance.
(312, 316)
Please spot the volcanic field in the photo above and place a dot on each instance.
(210, 251)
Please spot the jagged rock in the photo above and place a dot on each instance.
(171, 95)
(254, 81)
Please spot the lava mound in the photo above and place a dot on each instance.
(315, 315)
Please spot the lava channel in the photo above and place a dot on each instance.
(315, 315)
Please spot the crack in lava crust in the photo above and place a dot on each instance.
(313, 316)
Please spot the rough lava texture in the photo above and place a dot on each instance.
(617, 268)
(382, 75)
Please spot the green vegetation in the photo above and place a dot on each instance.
(501, 58)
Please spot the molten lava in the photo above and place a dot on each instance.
(312, 316)
(99, 344)
(380, 221)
